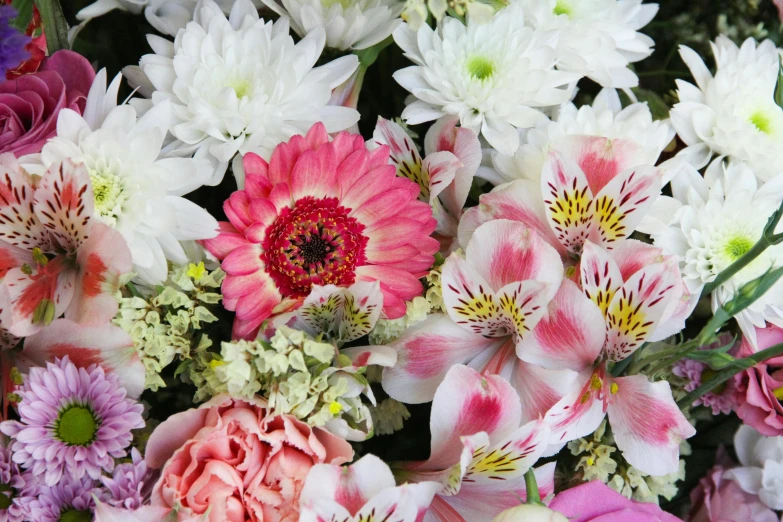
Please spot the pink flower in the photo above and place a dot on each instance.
(758, 390)
(321, 212)
(718, 498)
(231, 459)
(720, 400)
(365, 490)
(481, 449)
(596, 501)
(30, 104)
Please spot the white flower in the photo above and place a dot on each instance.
(167, 16)
(494, 76)
(711, 222)
(137, 192)
(761, 472)
(606, 118)
(596, 38)
(241, 84)
(732, 113)
(349, 24)
(530, 513)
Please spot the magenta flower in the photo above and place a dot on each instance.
(71, 419)
(30, 104)
(318, 214)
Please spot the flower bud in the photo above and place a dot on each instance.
(530, 513)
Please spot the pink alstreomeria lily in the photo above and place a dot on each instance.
(55, 260)
(452, 157)
(365, 491)
(638, 293)
(590, 189)
(480, 449)
(494, 296)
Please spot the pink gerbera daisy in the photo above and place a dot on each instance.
(74, 418)
(321, 212)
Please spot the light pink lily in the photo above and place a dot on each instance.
(57, 260)
(589, 190)
(444, 175)
(637, 299)
(363, 491)
(495, 296)
(480, 449)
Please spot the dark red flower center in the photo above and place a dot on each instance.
(313, 243)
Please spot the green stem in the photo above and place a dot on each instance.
(726, 374)
(133, 290)
(768, 239)
(661, 354)
(533, 496)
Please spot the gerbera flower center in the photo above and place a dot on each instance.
(481, 67)
(73, 515)
(76, 426)
(109, 192)
(737, 247)
(314, 243)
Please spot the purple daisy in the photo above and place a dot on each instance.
(74, 417)
(71, 500)
(12, 485)
(130, 484)
(12, 42)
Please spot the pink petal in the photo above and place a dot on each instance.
(314, 174)
(103, 258)
(623, 202)
(467, 403)
(647, 424)
(19, 226)
(227, 240)
(64, 203)
(257, 184)
(568, 199)
(470, 300)
(648, 297)
(441, 168)
(579, 413)
(243, 260)
(601, 159)
(106, 345)
(570, 335)
(505, 251)
(600, 276)
(425, 352)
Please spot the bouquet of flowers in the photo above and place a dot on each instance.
(391, 260)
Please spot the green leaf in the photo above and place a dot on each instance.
(24, 14)
(779, 88)
(55, 25)
(715, 359)
(368, 56)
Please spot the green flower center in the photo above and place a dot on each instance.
(480, 67)
(72, 515)
(761, 121)
(563, 7)
(108, 192)
(737, 247)
(241, 88)
(6, 496)
(76, 426)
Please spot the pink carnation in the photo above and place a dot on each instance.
(231, 460)
(30, 104)
(596, 501)
(758, 389)
(720, 499)
(321, 212)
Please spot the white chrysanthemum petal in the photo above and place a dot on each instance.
(733, 113)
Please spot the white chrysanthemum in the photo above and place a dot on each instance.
(596, 38)
(711, 222)
(242, 85)
(732, 113)
(349, 24)
(495, 76)
(605, 118)
(167, 16)
(137, 192)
